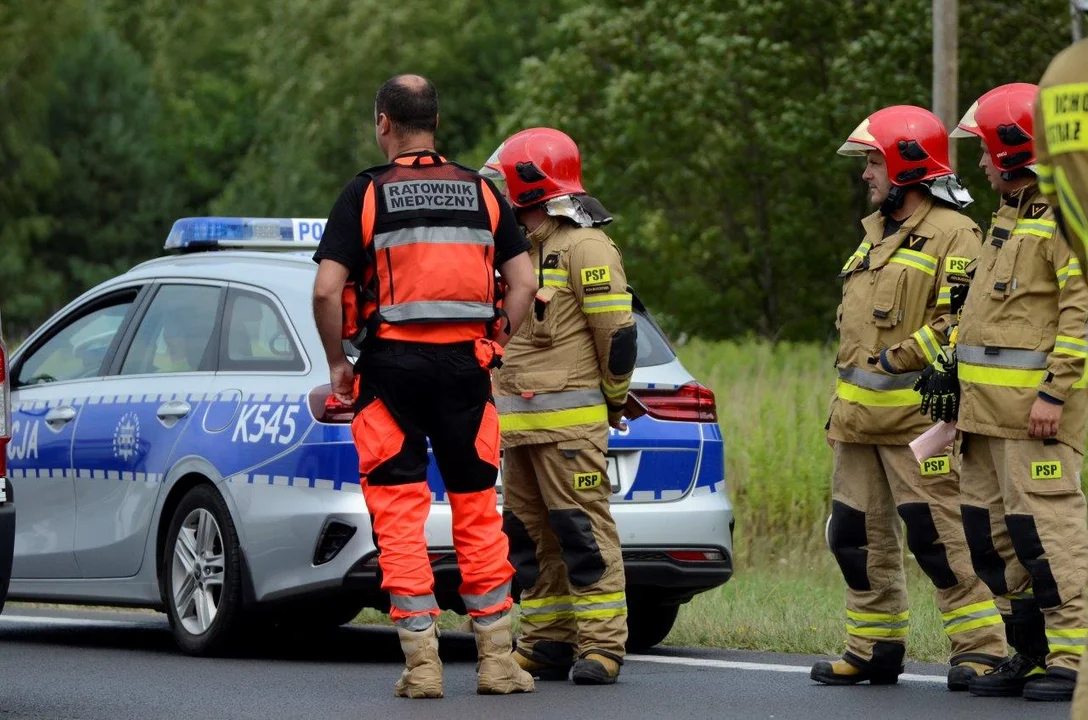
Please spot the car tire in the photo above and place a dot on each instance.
(648, 623)
(202, 573)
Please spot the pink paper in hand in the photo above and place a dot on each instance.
(933, 441)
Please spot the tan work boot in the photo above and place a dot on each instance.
(422, 676)
(499, 673)
(596, 668)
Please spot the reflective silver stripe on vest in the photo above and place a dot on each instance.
(872, 381)
(434, 236)
(438, 311)
(1004, 357)
(549, 401)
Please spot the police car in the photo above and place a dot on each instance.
(174, 446)
(7, 496)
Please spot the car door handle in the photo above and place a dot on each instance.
(173, 410)
(60, 416)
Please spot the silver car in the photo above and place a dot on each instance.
(174, 447)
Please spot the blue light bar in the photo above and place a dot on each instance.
(210, 233)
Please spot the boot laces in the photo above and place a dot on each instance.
(1017, 666)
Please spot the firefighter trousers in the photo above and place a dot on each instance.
(1024, 515)
(409, 393)
(874, 487)
(565, 547)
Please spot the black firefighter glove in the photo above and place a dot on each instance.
(939, 386)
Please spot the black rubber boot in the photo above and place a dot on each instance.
(549, 660)
(883, 669)
(969, 666)
(1009, 678)
(596, 667)
(1057, 686)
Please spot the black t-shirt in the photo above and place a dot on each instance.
(342, 239)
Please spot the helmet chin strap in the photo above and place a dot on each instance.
(896, 196)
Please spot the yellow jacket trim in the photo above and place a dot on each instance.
(1072, 213)
(917, 260)
(1065, 345)
(617, 302)
(877, 398)
(1045, 175)
(554, 420)
(1039, 228)
(927, 340)
(1002, 377)
(555, 277)
(944, 296)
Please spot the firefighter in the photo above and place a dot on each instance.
(412, 246)
(1061, 141)
(563, 385)
(895, 316)
(1020, 358)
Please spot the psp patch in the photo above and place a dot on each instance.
(596, 279)
(1049, 470)
(939, 465)
(588, 481)
(956, 265)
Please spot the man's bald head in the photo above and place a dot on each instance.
(411, 104)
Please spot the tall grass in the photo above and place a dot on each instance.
(773, 402)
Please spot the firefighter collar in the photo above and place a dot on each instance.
(545, 230)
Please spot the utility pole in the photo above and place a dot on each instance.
(1076, 8)
(946, 66)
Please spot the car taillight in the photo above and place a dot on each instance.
(696, 555)
(691, 402)
(325, 408)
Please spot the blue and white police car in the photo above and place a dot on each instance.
(172, 448)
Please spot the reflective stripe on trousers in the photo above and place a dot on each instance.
(1067, 641)
(585, 607)
(971, 617)
(878, 625)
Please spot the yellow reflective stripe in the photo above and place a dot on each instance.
(602, 613)
(971, 617)
(616, 302)
(927, 340)
(1065, 345)
(1071, 649)
(917, 260)
(545, 601)
(877, 632)
(1074, 633)
(555, 277)
(969, 610)
(944, 296)
(877, 398)
(859, 254)
(1039, 228)
(1003, 377)
(878, 617)
(969, 625)
(548, 617)
(1045, 176)
(1068, 270)
(594, 599)
(1072, 213)
(554, 419)
(615, 391)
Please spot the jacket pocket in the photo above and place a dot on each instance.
(888, 296)
(1018, 336)
(1003, 276)
(539, 381)
(542, 330)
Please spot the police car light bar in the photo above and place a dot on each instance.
(212, 233)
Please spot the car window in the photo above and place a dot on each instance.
(255, 336)
(174, 334)
(79, 349)
(653, 347)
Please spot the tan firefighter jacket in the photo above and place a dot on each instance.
(1061, 142)
(574, 354)
(894, 320)
(1022, 330)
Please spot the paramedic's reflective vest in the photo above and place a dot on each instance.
(429, 235)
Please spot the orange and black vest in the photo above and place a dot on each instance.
(429, 238)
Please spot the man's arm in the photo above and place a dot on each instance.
(517, 273)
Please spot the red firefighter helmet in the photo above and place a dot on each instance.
(913, 141)
(1003, 119)
(537, 165)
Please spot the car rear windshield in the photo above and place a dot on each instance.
(653, 347)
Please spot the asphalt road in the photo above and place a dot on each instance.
(62, 664)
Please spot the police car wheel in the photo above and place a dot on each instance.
(648, 623)
(202, 573)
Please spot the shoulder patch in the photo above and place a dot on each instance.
(1036, 211)
(956, 265)
(599, 275)
(915, 242)
(551, 262)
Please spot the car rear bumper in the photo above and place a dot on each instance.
(7, 536)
